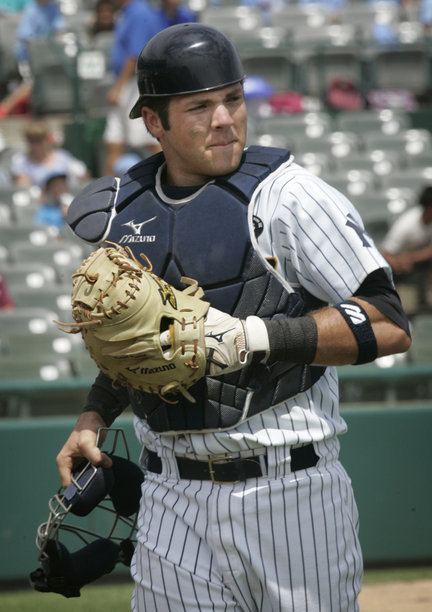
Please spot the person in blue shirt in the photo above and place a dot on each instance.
(55, 199)
(39, 19)
(173, 12)
(136, 23)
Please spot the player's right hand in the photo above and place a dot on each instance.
(82, 444)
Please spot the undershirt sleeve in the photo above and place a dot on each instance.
(105, 399)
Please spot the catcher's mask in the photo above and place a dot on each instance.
(114, 492)
(186, 58)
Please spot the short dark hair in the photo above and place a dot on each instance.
(425, 198)
(158, 104)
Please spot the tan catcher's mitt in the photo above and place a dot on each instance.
(121, 308)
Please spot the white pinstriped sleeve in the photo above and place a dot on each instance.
(315, 233)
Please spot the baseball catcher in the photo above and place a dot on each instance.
(144, 333)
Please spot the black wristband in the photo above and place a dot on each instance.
(292, 339)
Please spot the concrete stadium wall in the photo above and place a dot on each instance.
(387, 452)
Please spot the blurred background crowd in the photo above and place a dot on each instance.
(344, 84)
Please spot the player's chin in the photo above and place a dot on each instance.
(225, 159)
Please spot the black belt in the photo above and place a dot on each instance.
(232, 470)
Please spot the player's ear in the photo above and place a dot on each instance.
(152, 121)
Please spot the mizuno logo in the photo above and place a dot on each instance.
(354, 313)
(136, 227)
(218, 337)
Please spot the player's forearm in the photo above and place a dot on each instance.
(325, 338)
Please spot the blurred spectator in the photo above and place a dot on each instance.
(43, 158)
(6, 301)
(55, 200)
(104, 18)
(125, 162)
(172, 12)
(40, 18)
(425, 15)
(137, 22)
(409, 241)
(408, 248)
(13, 6)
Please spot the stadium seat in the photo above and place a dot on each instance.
(362, 14)
(52, 344)
(8, 63)
(352, 182)
(55, 88)
(231, 19)
(380, 163)
(336, 144)
(34, 368)
(56, 299)
(317, 163)
(387, 121)
(23, 233)
(411, 143)
(26, 320)
(294, 17)
(406, 67)
(303, 125)
(273, 66)
(61, 255)
(421, 349)
(28, 275)
(411, 178)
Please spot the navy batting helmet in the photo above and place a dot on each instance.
(186, 58)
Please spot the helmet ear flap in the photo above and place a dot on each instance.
(126, 492)
(90, 488)
(66, 573)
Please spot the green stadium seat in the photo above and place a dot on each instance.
(52, 344)
(56, 299)
(411, 178)
(273, 66)
(421, 348)
(386, 121)
(29, 275)
(34, 368)
(352, 183)
(400, 67)
(60, 255)
(411, 143)
(54, 77)
(303, 125)
(26, 320)
(23, 233)
(317, 163)
(336, 144)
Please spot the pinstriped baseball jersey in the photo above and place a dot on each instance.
(318, 240)
(286, 541)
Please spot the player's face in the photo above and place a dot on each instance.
(206, 135)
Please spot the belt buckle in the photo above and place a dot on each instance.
(210, 463)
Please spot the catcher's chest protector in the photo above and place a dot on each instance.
(208, 239)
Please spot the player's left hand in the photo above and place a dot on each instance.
(229, 341)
